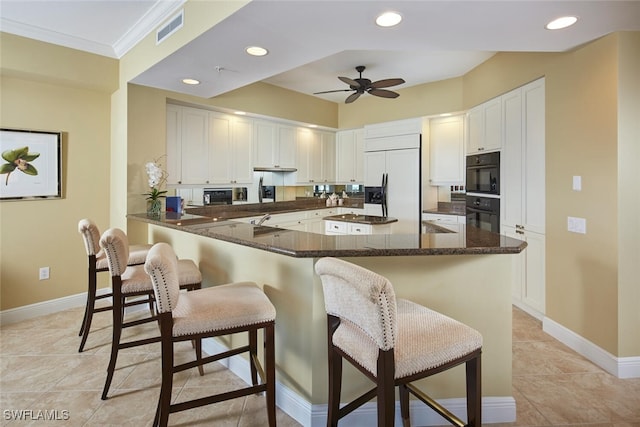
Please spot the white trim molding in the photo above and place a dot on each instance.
(621, 367)
(494, 409)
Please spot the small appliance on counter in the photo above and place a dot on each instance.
(239, 194)
(217, 196)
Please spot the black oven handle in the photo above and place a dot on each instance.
(474, 210)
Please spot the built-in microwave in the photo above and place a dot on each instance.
(483, 173)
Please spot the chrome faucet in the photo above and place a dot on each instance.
(261, 220)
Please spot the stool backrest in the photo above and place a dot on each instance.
(162, 266)
(115, 244)
(360, 296)
(90, 235)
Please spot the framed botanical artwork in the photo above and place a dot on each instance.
(30, 168)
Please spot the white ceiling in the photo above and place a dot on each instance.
(312, 42)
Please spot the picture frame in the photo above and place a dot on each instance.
(31, 165)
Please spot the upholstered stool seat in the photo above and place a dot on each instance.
(97, 262)
(132, 281)
(210, 312)
(394, 342)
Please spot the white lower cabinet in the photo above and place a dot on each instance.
(341, 227)
(455, 223)
(528, 270)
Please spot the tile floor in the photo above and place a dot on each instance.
(42, 371)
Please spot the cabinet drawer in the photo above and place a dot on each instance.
(440, 218)
(359, 228)
(336, 227)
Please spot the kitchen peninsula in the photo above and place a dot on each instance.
(466, 276)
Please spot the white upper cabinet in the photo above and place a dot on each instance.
(350, 156)
(484, 127)
(315, 156)
(194, 146)
(274, 145)
(446, 150)
(206, 147)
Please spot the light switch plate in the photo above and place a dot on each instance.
(577, 225)
(577, 183)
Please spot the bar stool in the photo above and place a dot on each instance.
(393, 342)
(97, 262)
(210, 312)
(131, 281)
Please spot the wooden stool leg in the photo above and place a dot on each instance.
(404, 405)
(89, 307)
(253, 353)
(164, 401)
(117, 315)
(474, 392)
(335, 374)
(270, 362)
(386, 389)
(198, 344)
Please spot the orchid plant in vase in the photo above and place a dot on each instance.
(157, 177)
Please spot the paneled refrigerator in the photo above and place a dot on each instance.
(392, 179)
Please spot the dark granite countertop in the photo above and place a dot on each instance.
(361, 219)
(446, 208)
(300, 244)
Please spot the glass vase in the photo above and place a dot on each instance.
(154, 207)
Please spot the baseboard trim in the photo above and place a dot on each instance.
(621, 367)
(30, 311)
(494, 409)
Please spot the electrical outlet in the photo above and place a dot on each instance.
(577, 225)
(44, 273)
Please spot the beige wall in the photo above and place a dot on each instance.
(41, 91)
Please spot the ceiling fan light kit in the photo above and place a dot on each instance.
(362, 85)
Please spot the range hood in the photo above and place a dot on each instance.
(273, 169)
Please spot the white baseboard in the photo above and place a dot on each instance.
(494, 409)
(621, 367)
(30, 311)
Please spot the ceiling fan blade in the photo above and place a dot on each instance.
(350, 82)
(331, 91)
(384, 93)
(352, 97)
(386, 83)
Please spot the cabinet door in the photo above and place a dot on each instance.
(475, 129)
(446, 149)
(328, 147)
(345, 156)
(221, 155)
(518, 279)
(492, 125)
(359, 155)
(265, 145)
(174, 144)
(286, 146)
(242, 144)
(511, 160)
(534, 152)
(304, 139)
(195, 146)
(314, 161)
(533, 293)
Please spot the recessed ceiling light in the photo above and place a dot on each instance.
(240, 113)
(313, 126)
(191, 81)
(256, 51)
(562, 22)
(389, 19)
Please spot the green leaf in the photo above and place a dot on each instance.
(30, 170)
(7, 168)
(30, 157)
(12, 155)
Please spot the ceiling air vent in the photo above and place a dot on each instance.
(174, 25)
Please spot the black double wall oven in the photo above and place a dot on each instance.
(483, 191)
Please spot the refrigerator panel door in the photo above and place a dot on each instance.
(403, 189)
(374, 167)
